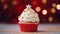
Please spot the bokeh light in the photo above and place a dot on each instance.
(53, 10)
(58, 6)
(50, 19)
(5, 6)
(34, 3)
(44, 12)
(38, 9)
(14, 2)
(44, 1)
(2, 1)
(11, 9)
(54, 5)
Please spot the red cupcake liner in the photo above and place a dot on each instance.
(28, 27)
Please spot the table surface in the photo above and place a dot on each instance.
(42, 29)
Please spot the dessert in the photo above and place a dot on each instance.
(28, 20)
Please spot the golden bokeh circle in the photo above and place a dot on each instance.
(53, 10)
(38, 9)
(54, 5)
(44, 1)
(44, 12)
(14, 2)
(58, 6)
(5, 6)
(50, 19)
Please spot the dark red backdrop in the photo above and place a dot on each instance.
(11, 14)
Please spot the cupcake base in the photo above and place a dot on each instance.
(31, 27)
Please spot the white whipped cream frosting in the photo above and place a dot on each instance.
(28, 15)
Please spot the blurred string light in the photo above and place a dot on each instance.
(38, 9)
(53, 10)
(44, 12)
(14, 2)
(58, 6)
(50, 19)
(2, 1)
(44, 1)
(5, 6)
(54, 5)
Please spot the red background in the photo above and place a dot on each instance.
(11, 14)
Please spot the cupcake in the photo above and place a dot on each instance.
(28, 20)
